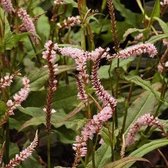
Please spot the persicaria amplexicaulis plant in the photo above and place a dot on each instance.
(94, 85)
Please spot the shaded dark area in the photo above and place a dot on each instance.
(61, 155)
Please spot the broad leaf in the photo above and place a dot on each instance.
(143, 150)
(124, 162)
(130, 17)
(156, 9)
(39, 117)
(42, 24)
(162, 24)
(156, 38)
(145, 103)
(144, 84)
(103, 72)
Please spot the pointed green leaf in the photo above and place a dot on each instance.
(162, 24)
(124, 162)
(145, 103)
(156, 9)
(143, 150)
(156, 38)
(143, 83)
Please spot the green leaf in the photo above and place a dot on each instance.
(32, 111)
(14, 124)
(65, 135)
(31, 162)
(72, 2)
(144, 84)
(133, 31)
(65, 97)
(39, 77)
(163, 25)
(143, 150)
(75, 124)
(124, 63)
(102, 156)
(11, 40)
(124, 162)
(145, 103)
(39, 117)
(156, 9)
(130, 17)
(42, 24)
(156, 38)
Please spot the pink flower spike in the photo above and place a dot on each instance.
(19, 97)
(50, 56)
(136, 50)
(145, 120)
(70, 22)
(91, 128)
(28, 24)
(24, 154)
(102, 94)
(80, 58)
(7, 6)
(6, 81)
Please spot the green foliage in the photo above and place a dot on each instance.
(146, 102)
(122, 163)
(146, 148)
(102, 156)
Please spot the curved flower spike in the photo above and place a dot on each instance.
(136, 50)
(91, 128)
(145, 120)
(7, 6)
(28, 24)
(102, 94)
(24, 154)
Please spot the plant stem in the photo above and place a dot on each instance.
(6, 158)
(48, 150)
(35, 51)
(126, 108)
(93, 152)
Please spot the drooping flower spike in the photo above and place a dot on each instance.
(91, 128)
(27, 24)
(24, 154)
(102, 94)
(18, 98)
(7, 6)
(135, 50)
(80, 57)
(145, 120)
